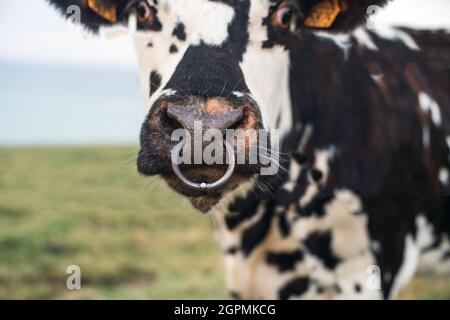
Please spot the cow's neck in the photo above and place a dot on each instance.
(243, 218)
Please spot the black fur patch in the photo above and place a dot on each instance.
(232, 250)
(93, 21)
(155, 82)
(234, 295)
(316, 175)
(153, 25)
(284, 261)
(284, 197)
(337, 288)
(284, 225)
(295, 287)
(300, 158)
(179, 32)
(256, 233)
(320, 290)
(317, 206)
(319, 245)
(173, 49)
(241, 209)
(90, 19)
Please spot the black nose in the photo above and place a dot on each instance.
(214, 113)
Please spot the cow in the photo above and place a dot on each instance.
(359, 202)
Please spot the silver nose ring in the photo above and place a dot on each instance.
(204, 186)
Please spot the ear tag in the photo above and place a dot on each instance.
(323, 14)
(104, 8)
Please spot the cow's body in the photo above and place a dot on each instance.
(360, 201)
(367, 185)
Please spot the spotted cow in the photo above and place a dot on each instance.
(360, 201)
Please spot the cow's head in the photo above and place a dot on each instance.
(222, 62)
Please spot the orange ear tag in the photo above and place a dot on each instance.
(323, 14)
(104, 8)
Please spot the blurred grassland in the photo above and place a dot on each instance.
(132, 237)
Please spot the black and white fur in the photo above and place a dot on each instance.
(364, 117)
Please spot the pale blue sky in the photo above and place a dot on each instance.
(32, 31)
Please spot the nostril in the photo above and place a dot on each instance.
(179, 115)
(234, 118)
(172, 122)
(237, 124)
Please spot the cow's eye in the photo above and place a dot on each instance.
(143, 11)
(282, 18)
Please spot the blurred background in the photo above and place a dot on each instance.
(70, 114)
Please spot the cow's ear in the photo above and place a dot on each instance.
(329, 15)
(90, 13)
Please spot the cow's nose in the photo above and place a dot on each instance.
(213, 113)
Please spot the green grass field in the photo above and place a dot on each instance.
(132, 237)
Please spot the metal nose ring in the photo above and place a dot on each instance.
(203, 186)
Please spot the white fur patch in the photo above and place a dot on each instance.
(266, 73)
(377, 77)
(443, 176)
(424, 237)
(206, 21)
(399, 35)
(363, 37)
(322, 162)
(408, 267)
(427, 104)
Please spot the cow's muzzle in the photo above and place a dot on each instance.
(160, 155)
